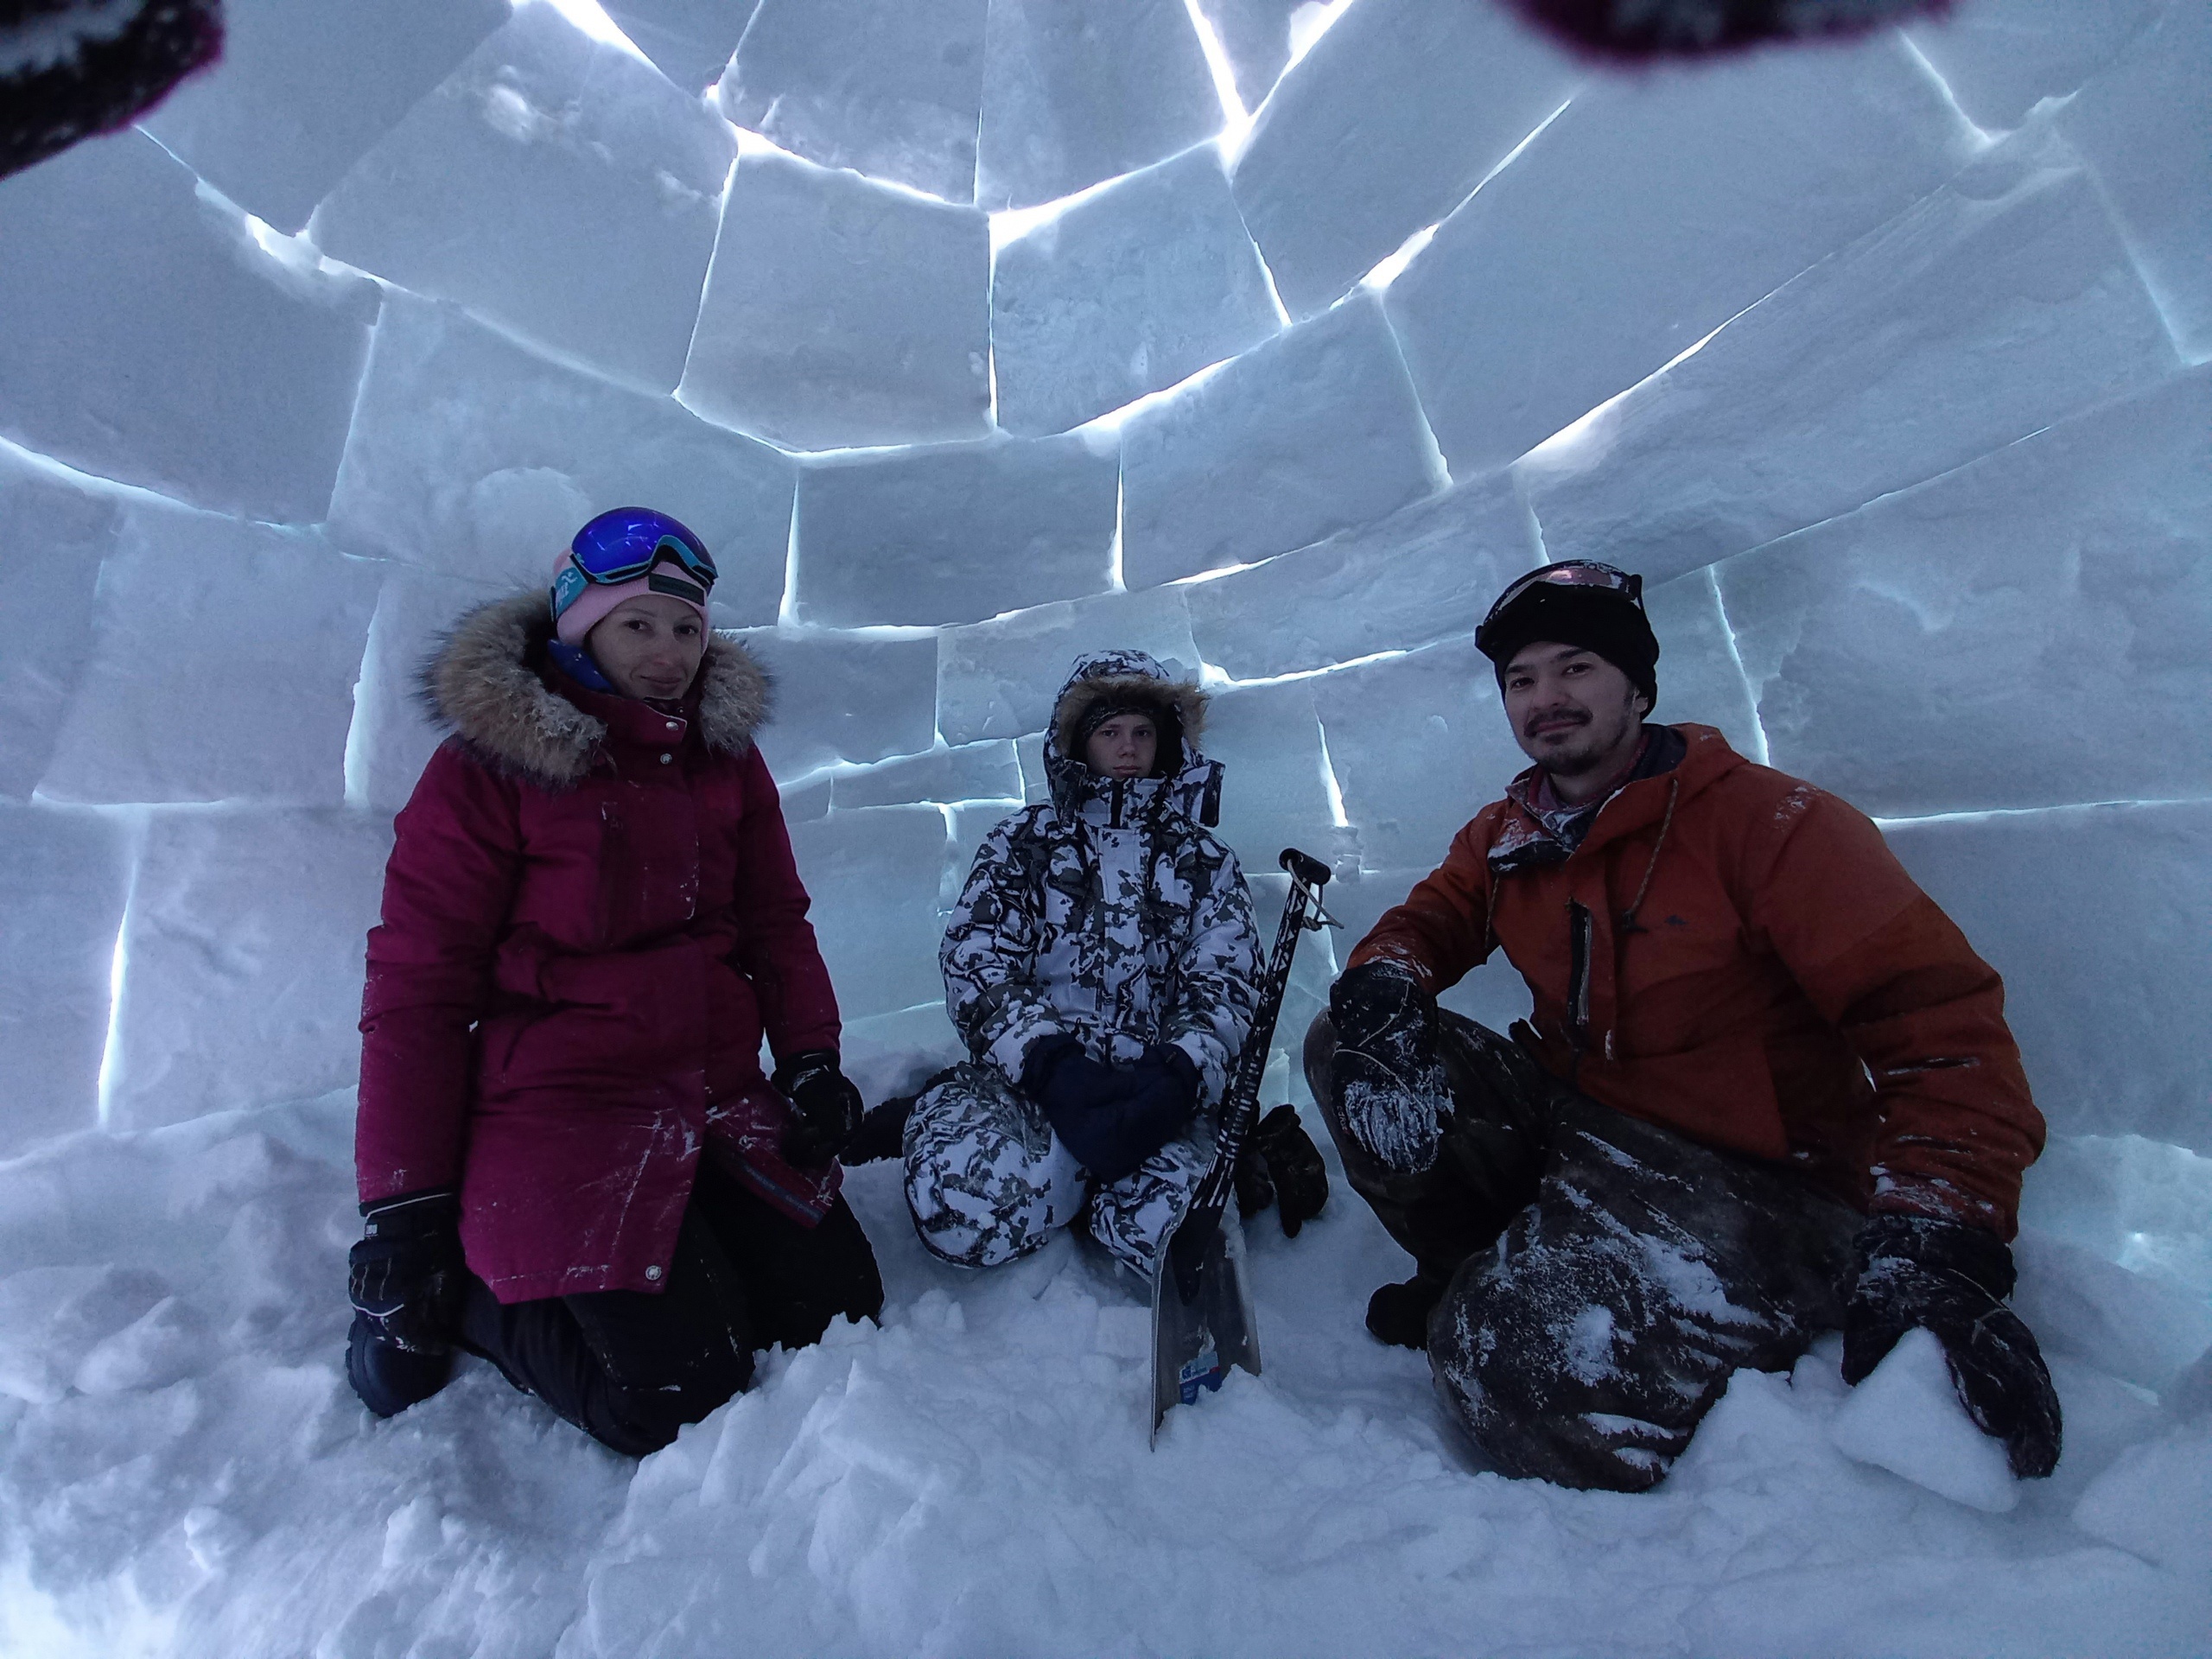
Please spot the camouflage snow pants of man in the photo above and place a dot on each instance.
(1603, 1276)
(988, 1180)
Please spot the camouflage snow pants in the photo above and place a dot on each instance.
(988, 1180)
(1603, 1276)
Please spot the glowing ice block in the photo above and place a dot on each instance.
(1127, 292)
(474, 456)
(1314, 432)
(150, 339)
(1078, 91)
(953, 533)
(892, 92)
(222, 667)
(842, 313)
(301, 92)
(555, 184)
(2000, 304)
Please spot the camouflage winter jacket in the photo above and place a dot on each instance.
(1109, 913)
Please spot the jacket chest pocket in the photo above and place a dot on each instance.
(648, 862)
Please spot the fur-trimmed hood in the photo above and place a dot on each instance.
(1124, 674)
(482, 684)
(1191, 785)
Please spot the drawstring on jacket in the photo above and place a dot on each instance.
(1629, 923)
(1579, 943)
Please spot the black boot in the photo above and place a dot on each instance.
(1398, 1314)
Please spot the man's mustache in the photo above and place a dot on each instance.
(1549, 716)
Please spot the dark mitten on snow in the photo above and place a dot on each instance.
(1296, 1177)
(1391, 1093)
(1255, 1188)
(1655, 28)
(1952, 1279)
(69, 68)
(882, 1132)
(825, 1108)
(406, 1276)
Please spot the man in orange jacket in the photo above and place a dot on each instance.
(1767, 1089)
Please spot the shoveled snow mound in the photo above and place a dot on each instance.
(183, 1471)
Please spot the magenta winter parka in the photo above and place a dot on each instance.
(590, 917)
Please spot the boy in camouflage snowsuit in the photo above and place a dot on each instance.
(1102, 967)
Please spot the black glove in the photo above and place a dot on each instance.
(407, 1275)
(1380, 1009)
(882, 1132)
(1280, 1162)
(1952, 1277)
(825, 1108)
(1391, 1093)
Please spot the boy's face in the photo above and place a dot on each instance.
(1124, 746)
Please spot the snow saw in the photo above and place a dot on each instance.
(1201, 1306)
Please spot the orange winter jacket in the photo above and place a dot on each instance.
(1737, 956)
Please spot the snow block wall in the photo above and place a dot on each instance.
(974, 334)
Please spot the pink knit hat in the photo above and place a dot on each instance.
(678, 565)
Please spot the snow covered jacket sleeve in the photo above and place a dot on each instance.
(447, 890)
(1956, 1127)
(776, 948)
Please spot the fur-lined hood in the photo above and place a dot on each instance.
(482, 684)
(1192, 784)
(1130, 674)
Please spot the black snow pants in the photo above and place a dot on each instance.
(630, 1369)
(1602, 1276)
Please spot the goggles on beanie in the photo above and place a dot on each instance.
(629, 543)
(1586, 573)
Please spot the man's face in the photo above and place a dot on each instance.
(1571, 710)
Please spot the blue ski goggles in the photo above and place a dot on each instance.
(633, 541)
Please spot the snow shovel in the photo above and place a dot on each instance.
(1201, 1306)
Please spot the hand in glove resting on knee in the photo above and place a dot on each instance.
(1111, 1117)
(1390, 1089)
(825, 1108)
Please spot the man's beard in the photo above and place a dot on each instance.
(1586, 751)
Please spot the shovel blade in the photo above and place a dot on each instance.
(1196, 1337)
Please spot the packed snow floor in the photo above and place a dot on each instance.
(184, 1470)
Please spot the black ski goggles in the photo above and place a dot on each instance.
(1571, 574)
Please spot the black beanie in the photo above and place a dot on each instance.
(1597, 619)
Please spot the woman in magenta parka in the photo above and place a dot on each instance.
(569, 1160)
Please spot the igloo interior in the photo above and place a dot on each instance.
(1271, 338)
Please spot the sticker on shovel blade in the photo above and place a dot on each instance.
(1206, 1371)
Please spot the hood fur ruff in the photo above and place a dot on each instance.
(1118, 674)
(481, 685)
